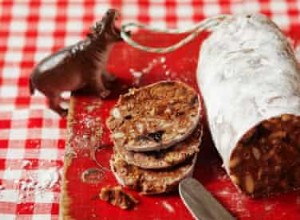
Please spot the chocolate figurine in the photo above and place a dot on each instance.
(80, 67)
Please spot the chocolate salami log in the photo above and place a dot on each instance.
(250, 82)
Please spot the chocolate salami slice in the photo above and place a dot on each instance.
(250, 82)
(154, 117)
(150, 181)
(172, 156)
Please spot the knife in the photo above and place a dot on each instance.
(200, 202)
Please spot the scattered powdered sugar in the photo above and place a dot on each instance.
(90, 122)
(41, 184)
(269, 207)
(66, 95)
(47, 180)
(135, 74)
(85, 140)
(240, 206)
(168, 206)
(138, 74)
(219, 172)
(167, 73)
(161, 67)
(38, 182)
(224, 192)
(26, 184)
(41, 179)
(162, 59)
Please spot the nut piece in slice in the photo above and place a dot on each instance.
(117, 197)
(164, 158)
(150, 181)
(154, 117)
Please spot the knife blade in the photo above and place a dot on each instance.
(200, 202)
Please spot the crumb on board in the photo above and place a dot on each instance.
(168, 206)
(118, 197)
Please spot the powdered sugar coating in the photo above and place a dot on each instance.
(247, 73)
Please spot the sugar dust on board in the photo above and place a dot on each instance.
(163, 71)
(138, 74)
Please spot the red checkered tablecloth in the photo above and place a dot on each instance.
(32, 138)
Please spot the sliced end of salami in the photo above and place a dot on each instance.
(150, 181)
(154, 117)
(266, 160)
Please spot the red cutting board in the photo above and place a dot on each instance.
(87, 130)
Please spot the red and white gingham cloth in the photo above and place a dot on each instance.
(31, 136)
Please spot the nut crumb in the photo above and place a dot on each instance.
(118, 197)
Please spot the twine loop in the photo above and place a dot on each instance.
(206, 24)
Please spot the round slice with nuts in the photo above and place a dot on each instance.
(150, 181)
(154, 117)
(172, 156)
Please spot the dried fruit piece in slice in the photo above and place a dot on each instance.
(154, 117)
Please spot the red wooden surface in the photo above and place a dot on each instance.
(90, 113)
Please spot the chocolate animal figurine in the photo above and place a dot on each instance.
(80, 67)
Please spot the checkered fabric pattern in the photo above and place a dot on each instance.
(32, 137)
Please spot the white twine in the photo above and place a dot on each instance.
(206, 24)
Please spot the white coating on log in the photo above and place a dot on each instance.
(247, 73)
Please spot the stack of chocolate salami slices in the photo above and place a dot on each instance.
(156, 132)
